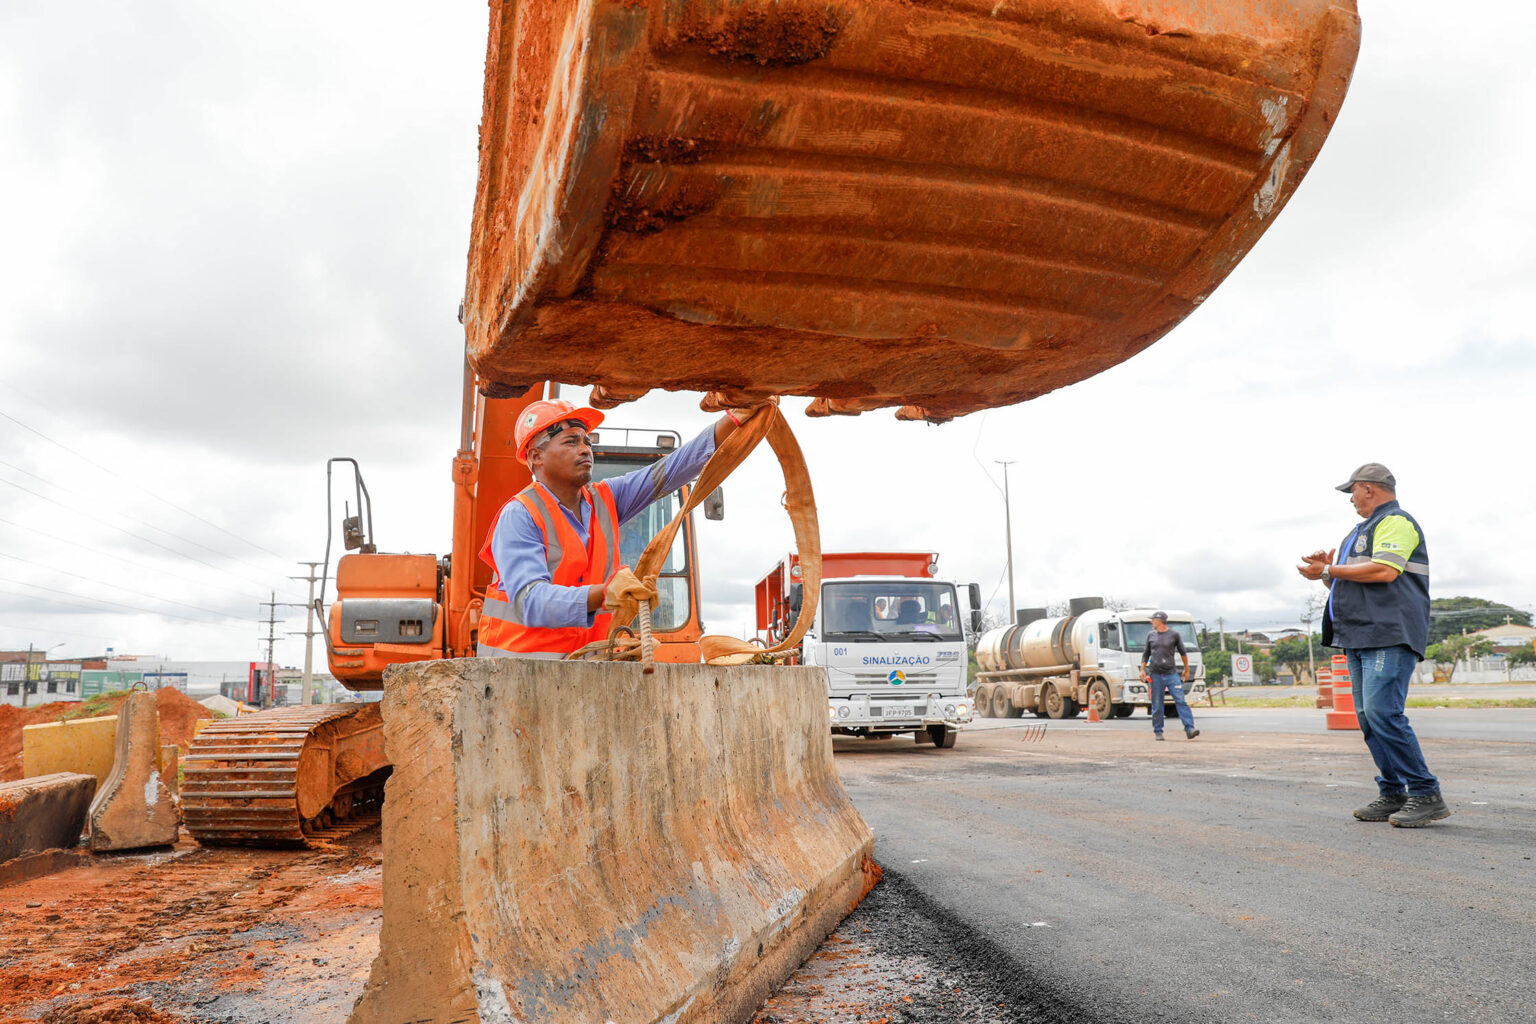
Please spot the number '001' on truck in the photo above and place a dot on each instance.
(889, 636)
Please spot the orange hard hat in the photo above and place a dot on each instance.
(540, 416)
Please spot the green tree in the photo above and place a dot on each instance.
(1449, 616)
(1292, 653)
(1519, 658)
(1453, 649)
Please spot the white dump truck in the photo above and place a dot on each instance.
(1055, 666)
(888, 634)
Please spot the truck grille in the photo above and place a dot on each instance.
(879, 678)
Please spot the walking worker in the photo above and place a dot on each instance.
(1378, 614)
(1157, 670)
(555, 545)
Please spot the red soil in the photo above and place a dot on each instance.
(178, 714)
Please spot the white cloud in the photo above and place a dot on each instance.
(235, 242)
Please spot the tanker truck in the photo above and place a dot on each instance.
(1054, 666)
(889, 636)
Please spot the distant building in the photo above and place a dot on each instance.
(1508, 636)
(30, 677)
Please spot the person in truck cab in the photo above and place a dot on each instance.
(555, 545)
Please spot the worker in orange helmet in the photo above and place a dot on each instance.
(555, 545)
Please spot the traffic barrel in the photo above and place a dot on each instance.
(1343, 714)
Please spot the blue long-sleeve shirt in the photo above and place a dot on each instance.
(518, 546)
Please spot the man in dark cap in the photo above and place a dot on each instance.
(1157, 671)
(1378, 614)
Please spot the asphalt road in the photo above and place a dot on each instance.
(1220, 879)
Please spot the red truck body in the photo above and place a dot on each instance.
(772, 592)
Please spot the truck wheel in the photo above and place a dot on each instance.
(1124, 710)
(1098, 696)
(1071, 707)
(983, 700)
(942, 736)
(1055, 703)
(1001, 705)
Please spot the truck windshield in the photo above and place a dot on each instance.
(671, 611)
(1136, 635)
(894, 611)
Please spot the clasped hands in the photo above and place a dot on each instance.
(1312, 565)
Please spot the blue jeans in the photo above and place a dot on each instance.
(1169, 681)
(1378, 677)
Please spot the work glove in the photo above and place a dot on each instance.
(624, 593)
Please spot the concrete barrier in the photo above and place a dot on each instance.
(82, 745)
(134, 808)
(577, 842)
(43, 813)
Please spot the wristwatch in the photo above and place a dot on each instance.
(1327, 573)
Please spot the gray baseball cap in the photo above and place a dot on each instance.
(1160, 616)
(1370, 473)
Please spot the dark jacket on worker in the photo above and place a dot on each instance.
(1365, 615)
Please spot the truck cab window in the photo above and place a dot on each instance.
(1109, 636)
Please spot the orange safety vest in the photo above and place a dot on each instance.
(503, 633)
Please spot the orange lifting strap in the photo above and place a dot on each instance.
(799, 502)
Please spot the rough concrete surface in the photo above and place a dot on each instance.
(85, 745)
(941, 206)
(43, 813)
(577, 842)
(134, 809)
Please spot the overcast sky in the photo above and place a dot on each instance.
(233, 244)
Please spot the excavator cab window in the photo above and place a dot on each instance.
(672, 605)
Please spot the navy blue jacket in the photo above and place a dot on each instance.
(1365, 615)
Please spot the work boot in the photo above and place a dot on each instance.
(1419, 811)
(1190, 734)
(1382, 808)
(1157, 735)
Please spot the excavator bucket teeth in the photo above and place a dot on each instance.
(278, 777)
(947, 204)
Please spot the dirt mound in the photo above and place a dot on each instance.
(178, 715)
(108, 1010)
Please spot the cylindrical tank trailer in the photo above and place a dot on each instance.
(1056, 665)
(1059, 642)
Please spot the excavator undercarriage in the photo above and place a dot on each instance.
(280, 777)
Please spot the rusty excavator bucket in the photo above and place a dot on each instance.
(941, 204)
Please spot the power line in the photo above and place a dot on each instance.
(142, 566)
(95, 582)
(132, 519)
(130, 533)
(34, 630)
(97, 600)
(152, 494)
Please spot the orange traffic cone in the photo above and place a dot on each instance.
(1093, 712)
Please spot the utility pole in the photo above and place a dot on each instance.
(271, 620)
(1013, 609)
(26, 676)
(309, 633)
(1313, 603)
(1221, 627)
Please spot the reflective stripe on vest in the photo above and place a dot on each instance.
(503, 629)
